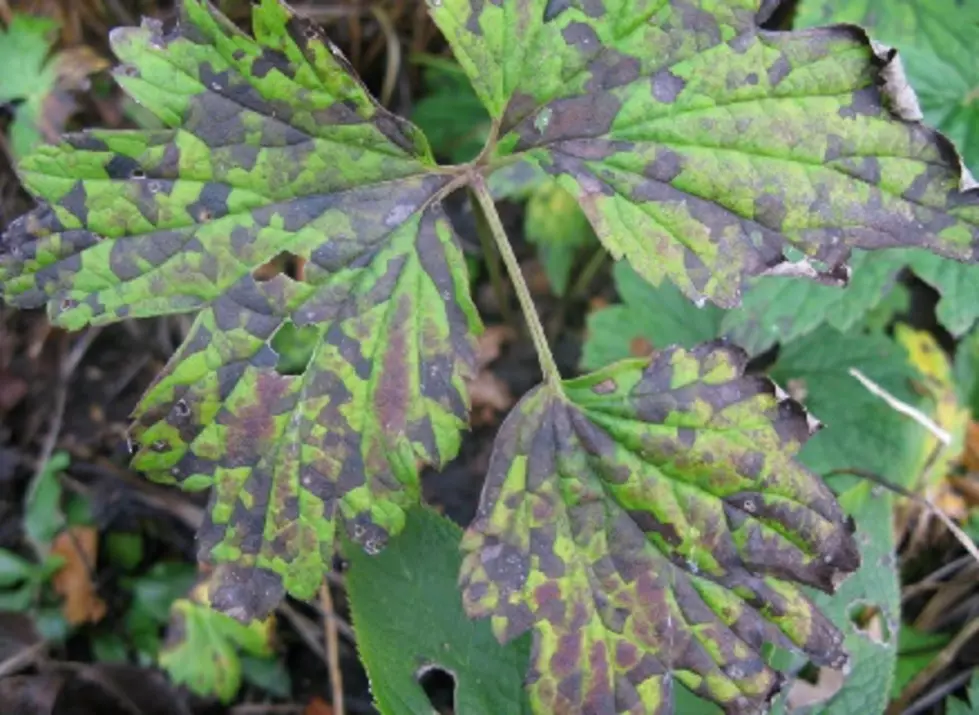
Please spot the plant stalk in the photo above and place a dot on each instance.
(548, 366)
(492, 257)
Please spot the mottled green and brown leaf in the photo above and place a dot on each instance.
(704, 148)
(273, 147)
(651, 525)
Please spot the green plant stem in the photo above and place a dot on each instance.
(588, 273)
(492, 257)
(547, 365)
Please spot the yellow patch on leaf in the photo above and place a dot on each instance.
(932, 462)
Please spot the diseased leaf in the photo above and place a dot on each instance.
(937, 40)
(649, 318)
(273, 146)
(651, 525)
(703, 148)
(409, 619)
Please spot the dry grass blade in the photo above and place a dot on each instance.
(931, 671)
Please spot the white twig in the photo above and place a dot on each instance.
(903, 407)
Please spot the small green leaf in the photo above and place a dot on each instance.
(408, 619)
(558, 227)
(157, 589)
(966, 369)
(109, 648)
(517, 181)
(958, 284)
(704, 149)
(14, 569)
(17, 600)
(124, 549)
(649, 318)
(269, 674)
(27, 76)
(915, 651)
(202, 646)
(43, 517)
(954, 706)
(650, 524)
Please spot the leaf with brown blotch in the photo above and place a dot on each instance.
(649, 522)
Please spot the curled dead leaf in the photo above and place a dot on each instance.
(78, 547)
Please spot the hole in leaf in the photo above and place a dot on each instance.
(285, 262)
(868, 619)
(813, 685)
(294, 346)
(440, 687)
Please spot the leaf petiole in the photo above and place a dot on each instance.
(552, 375)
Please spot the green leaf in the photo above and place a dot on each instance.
(17, 600)
(43, 518)
(27, 76)
(124, 549)
(704, 149)
(274, 146)
(650, 524)
(875, 586)
(269, 674)
(955, 706)
(558, 227)
(649, 317)
(966, 371)
(202, 646)
(14, 569)
(958, 284)
(860, 431)
(516, 181)
(780, 309)
(915, 651)
(450, 113)
(937, 40)
(109, 648)
(408, 619)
